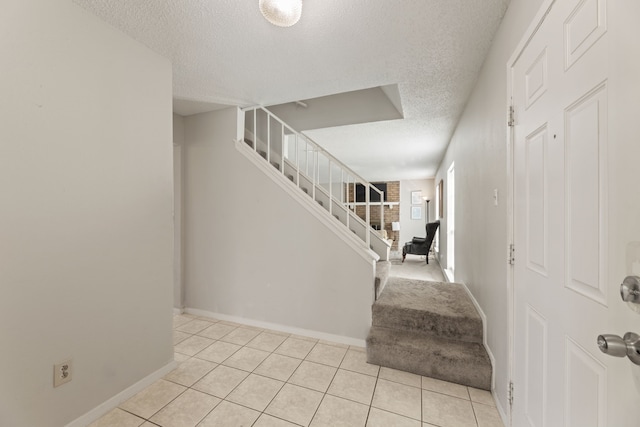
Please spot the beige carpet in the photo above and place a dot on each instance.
(415, 267)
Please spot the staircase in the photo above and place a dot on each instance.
(383, 268)
(431, 329)
(314, 172)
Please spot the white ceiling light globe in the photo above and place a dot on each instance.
(283, 13)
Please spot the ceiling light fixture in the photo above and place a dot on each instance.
(283, 13)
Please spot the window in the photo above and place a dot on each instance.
(374, 196)
(451, 219)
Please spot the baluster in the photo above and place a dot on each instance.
(297, 163)
(255, 129)
(367, 199)
(282, 144)
(313, 180)
(382, 212)
(330, 188)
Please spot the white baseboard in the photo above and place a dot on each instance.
(443, 273)
(448, 274)
(501, 411)
(503, 414)
(492, 359)
(178, 310)
(340, 339)
(483, 317)
(116, 400)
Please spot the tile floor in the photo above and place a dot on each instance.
(234, 375)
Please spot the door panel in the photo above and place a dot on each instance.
(585, 388)
(586, 148)
(536, 79)
(536, 363)
(584, 26)
(537, 200)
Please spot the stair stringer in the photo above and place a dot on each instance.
(483, 317)
(377, 243)
(322, 215)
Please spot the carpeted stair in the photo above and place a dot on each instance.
(383, 268)
(431, 329)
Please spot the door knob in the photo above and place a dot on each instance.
(613, 345)
(630, 289)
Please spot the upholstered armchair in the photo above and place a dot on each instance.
(421, 245)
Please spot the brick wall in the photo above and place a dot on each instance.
(391, 213)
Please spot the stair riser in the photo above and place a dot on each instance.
(461, 363)
(464, 329)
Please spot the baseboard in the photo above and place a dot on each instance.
(501, 411)
(178, 310)
(484, 334)
(340, 339)
(444, 273)
(116, 400)
(492, 359)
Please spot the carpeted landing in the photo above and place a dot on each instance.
(431, 329)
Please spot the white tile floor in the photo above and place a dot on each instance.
(233, 375)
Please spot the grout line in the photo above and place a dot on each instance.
(421, 405)
(324, 395)
(375, 386)
(475, 416)
(448, 395)
(212, 409)
(129, 412)
(167, 404)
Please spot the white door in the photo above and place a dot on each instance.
(576, 161)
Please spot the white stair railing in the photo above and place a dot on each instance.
(343, 193)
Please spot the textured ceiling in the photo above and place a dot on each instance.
(347, 108)
(225, 52)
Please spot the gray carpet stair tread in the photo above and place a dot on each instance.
(442, 309)
(432, 356)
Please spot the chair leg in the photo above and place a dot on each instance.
(404, 254)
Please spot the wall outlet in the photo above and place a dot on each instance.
(62, 372)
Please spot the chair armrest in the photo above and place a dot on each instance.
(419, 240)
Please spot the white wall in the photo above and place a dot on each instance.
(412, 227)
(479, 149)
(178, 129)
(85, 223)
(251, 251)
(178, 142)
